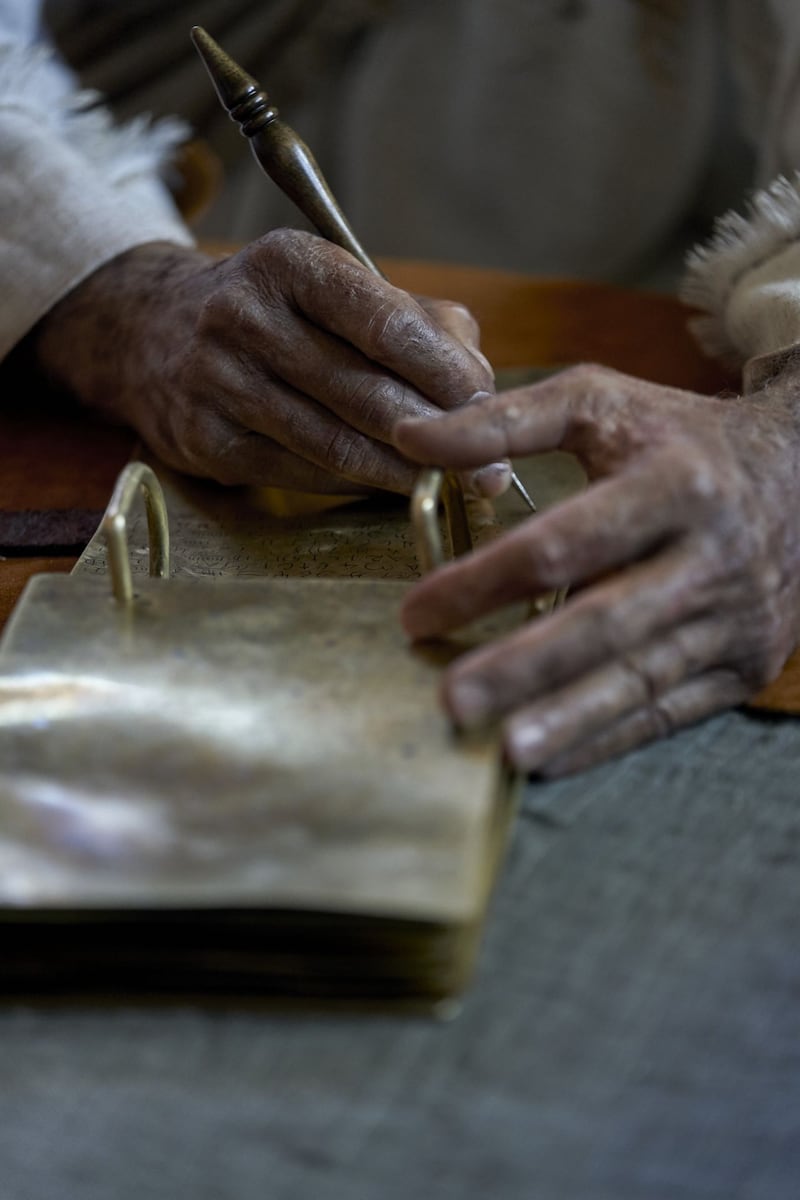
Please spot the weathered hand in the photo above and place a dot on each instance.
(683, 556)
(286, 364)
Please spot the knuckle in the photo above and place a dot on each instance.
(304, 267)
(595, 388)
(281, 246)
(727, 555)
(194, 442)
(345, 454)
(373, 401)
(770, 664)
(688, 653)
(548, 560)
(642, 675)
(588, 374)
(211, 318)
(391, 326)
(604, 626)
(459, 316)
(601, 427)
(282, 258)
(704, 482)
(604, 630)
(461, 311)
(763, 653)
(227, 461)
(226, 315)
(662, 718)
(747, 586)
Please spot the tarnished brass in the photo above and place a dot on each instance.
(432, 486)
(285, 157)
(236, 782)
(114, 528)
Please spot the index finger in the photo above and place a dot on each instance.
(527, 420)
(572, 404)
(386, 324)
(607, 527)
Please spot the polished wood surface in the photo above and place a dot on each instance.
(527, 321)
(53, 461)
(56, 459)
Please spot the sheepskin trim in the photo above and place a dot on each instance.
(738, 245)
(33, 82)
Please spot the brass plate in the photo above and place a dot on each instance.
(258, 743)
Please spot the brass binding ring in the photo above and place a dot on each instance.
(114, 528)
(433, 486)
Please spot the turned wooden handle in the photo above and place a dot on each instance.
(280, 152)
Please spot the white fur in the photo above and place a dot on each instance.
(33, 82)
(742, 270)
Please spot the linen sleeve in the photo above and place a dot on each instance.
(76, 190)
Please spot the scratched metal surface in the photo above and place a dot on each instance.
(264, 743)
(250, 533)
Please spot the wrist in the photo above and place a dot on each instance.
(766, 370)
(109, 325)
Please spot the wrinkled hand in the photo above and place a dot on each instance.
(683, 556)
(287, 363)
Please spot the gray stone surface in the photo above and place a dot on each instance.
(633, 1033)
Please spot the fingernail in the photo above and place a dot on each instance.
(483, 360)
(469, 703)
(492, 480)
(525, 743)
(478, 397)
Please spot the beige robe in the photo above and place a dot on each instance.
(554, 136)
